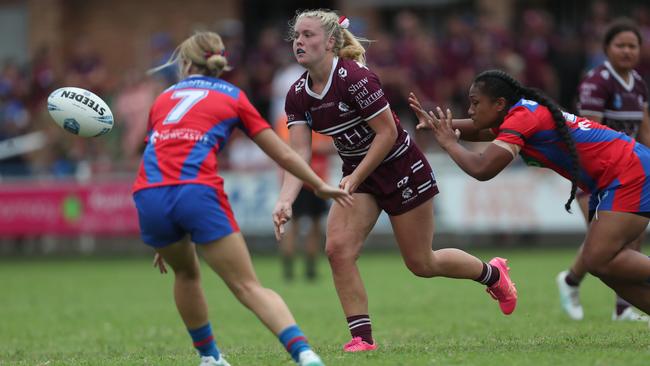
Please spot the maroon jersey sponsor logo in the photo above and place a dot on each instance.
(351, 97)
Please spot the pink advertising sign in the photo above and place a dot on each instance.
(67, 208)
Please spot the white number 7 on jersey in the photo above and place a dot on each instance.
(188, 99)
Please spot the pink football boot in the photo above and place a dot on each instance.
(359, 345)
(504, 290)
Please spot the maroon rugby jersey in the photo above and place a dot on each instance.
(352, 96)
(603, 93)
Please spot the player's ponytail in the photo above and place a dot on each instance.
(496, 83)
(205, 50)
(346, 44)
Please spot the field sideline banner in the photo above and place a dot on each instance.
(519, 199)
(67, 208)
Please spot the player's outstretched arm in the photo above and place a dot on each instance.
(468, 131)
(289, 160)
(482, 166)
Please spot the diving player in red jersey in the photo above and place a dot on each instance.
(615, 95)
(610, 165)
(182, 205)
(338, 96)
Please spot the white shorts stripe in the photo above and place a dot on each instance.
(419, 162)
(425, 183)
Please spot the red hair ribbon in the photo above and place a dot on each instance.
(344, 22)
(209, 54)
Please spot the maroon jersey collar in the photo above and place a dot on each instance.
(628, 86)
(320, 96)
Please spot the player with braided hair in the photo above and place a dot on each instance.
(610, 165)
(615, 95)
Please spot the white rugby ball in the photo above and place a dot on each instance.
(80, 112)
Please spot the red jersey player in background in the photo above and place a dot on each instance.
(338, 96)
(615, 95)
(610, 165)
(181, 201)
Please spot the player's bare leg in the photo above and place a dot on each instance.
(414, 233)
(347, 228)
(606, 254)
(188, 294)
(190, 299)
(230, 259)
(623, 310)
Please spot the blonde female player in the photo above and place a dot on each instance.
(181, 201)
(338, 96)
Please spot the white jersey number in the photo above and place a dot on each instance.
(188, 98)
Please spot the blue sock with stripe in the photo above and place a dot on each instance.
(204, 341)
(294, 341)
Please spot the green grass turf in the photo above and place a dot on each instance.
(98, 311)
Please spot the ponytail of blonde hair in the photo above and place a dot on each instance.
(204, 50)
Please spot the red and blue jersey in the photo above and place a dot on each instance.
(605, 155)
(189, 123)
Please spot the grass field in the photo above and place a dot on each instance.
(94, 311)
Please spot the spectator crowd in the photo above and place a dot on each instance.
(437, 61)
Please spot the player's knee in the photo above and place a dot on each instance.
(421, 268)
(188, 274)
(244, 290)
(340, 251)
(594, 264)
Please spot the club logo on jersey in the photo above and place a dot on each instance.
(343, 72)
(618, 101)
(569, 117)
(604, 74)
(407, 193)
(584, 125)
(300, 85)
(344, 107)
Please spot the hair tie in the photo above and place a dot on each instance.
(344, 22)
(209, 54)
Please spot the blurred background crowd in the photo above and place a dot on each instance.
(433, 48)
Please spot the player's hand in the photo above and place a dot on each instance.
(349, 183)
(281, 215)
(341, 195)
(160, 263)
(443, 129)
(425, 122)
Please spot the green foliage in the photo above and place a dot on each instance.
(89, 311)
